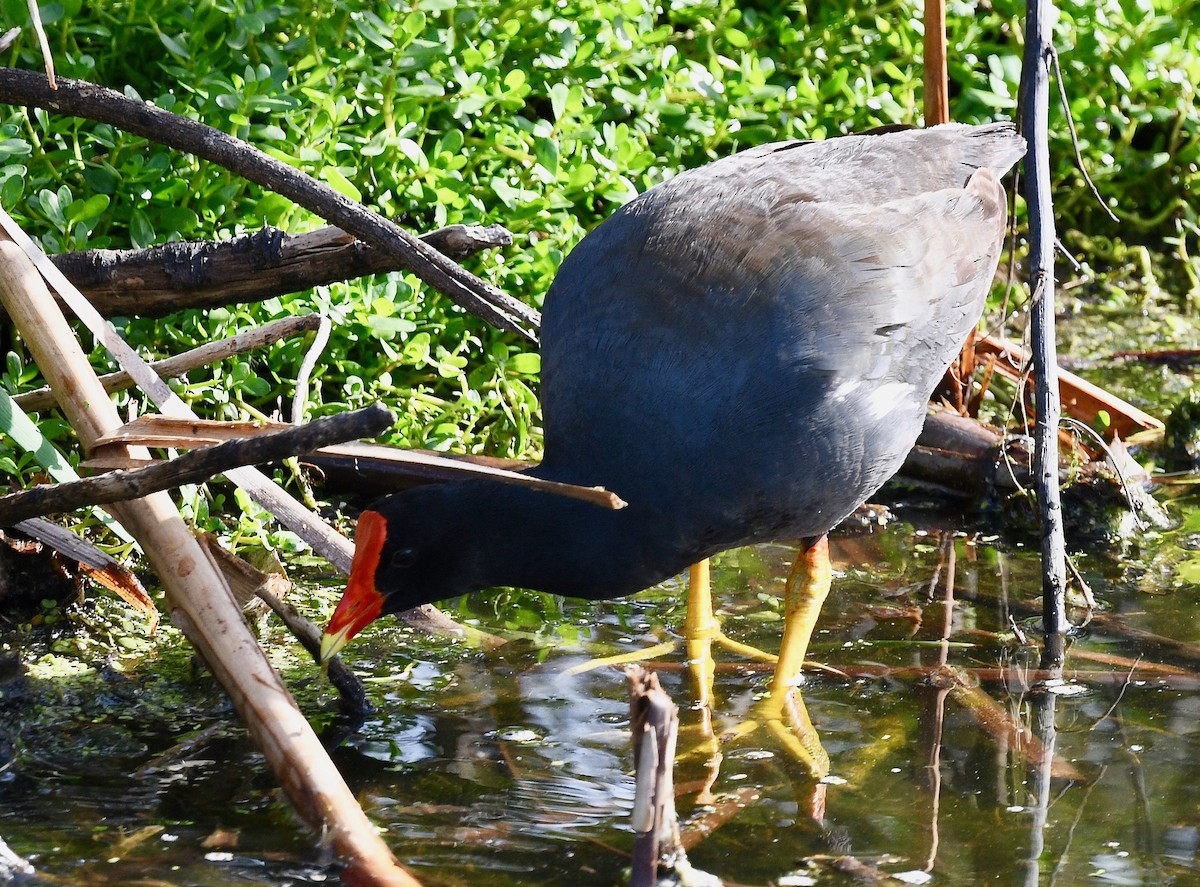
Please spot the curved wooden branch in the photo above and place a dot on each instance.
(87, 100)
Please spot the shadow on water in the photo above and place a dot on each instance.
(514, 769)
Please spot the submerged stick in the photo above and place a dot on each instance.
(248, 582)
(194, 467)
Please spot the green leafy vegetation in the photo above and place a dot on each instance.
(543, 117)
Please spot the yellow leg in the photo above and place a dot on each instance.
(699, 629)
(805, 592)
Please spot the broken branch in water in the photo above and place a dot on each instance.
(654, 726)
(247, 582)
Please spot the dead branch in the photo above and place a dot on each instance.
(163, 279)
(303, 522)
(94, 102)
(67, 543)
(97, 565)
(1080, 398)
(959, 454)
(194, 467)
(423, 465)
(716, 814)
(199, 598)
(179, 364)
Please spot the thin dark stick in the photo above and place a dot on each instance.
(1066, 106)
(1035, 78)
(193, 467)
(345, 681)
(93, 102)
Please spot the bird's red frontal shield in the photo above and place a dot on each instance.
(361, 603)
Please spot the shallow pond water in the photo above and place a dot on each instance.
(514, 768)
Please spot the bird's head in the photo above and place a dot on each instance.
(405, 554)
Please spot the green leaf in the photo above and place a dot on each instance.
(559, 93)
(87, 210)
(26, 435)
(528, 363)
(174, 46)
(340, 183)
(141, 232)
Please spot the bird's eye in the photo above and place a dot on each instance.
(404, 558)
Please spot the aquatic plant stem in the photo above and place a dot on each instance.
(1035, 78)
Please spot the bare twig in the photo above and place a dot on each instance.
(1066, 106)
(179, 364)
(194, 467)
(35, 16)
(94, 102)
(300, 398)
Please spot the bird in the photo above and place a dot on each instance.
(743, 353)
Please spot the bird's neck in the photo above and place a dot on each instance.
(529, 539)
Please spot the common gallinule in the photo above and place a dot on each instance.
(744, 353)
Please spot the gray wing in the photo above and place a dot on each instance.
(741, 302)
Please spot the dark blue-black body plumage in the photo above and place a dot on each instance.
(743, 353)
